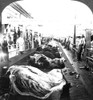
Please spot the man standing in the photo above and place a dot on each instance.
(81, 48)
(20, 44)
(15, 37)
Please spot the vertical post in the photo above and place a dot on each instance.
(4, 58)
(32, 40)
(74, 39)
(88, 38)
(0, 23)
(0, 43)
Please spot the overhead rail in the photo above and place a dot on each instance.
(18, 8)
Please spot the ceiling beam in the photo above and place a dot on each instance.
(20, 10)
(17, 9)
(23, 10)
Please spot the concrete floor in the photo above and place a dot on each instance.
(82, 88)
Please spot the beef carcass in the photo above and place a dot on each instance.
(42, 61)
(49, 51)
(30, 81)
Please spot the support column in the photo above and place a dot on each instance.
(88, 41)
(74, 39)
(4, 58)
(0, 23)
(2, 26)
(88, 38)
(32, 39)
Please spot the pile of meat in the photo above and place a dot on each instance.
(47, 56)
(29, 80)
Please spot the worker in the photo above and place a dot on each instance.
(20, 44)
